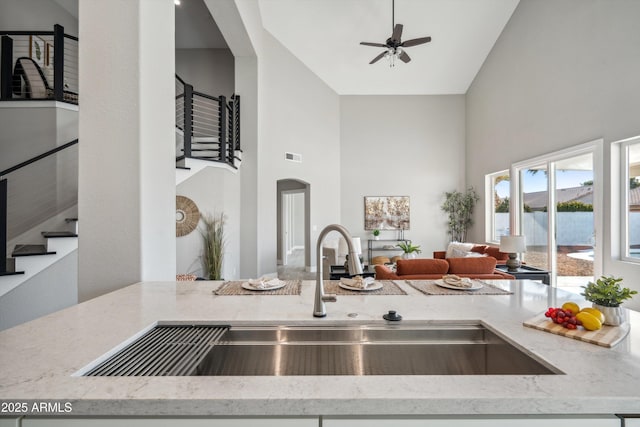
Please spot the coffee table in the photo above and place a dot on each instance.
(338, 271)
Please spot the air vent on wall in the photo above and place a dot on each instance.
(294, 157)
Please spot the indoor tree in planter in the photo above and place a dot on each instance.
(213, 245)
(459, 207)
(607, 294)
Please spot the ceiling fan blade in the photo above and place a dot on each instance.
(397, 33)
(404, 57)
(415, 42)
(373, 44)
(377, 58)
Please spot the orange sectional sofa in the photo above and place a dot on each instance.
(432, 269)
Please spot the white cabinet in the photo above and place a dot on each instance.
(9, 422)
(169, 422)
(632, 422)
(521, 421)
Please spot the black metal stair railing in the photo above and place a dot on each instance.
(53, 158)
(209, 126)
(36, 65)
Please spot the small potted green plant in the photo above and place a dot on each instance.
(409, 250)
(607, 294)
(376, 234)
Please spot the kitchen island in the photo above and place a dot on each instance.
(38, 361)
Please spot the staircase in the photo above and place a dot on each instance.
(39, 275)
(40, 278)
(27, 257)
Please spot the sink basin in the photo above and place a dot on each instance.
(418, 348)
(450, 349)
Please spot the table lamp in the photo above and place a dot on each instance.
(513, 245)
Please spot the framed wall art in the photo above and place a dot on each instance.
(37, 50)
(386, 213)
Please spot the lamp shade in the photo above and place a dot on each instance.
(513, 244)
(357, 247)
(343, 249)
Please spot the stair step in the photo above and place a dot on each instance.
(30, 250)
(10, 268)
(10, 273)
(55, 234)
(215, 150)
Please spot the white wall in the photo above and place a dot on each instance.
(402, 146)
(215, 191)
(36, 15)
(298, 219)
(126, 197)
(210, 71)
(299, 113)
(562, 73)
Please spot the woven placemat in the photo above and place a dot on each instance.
(388, 288)
(429, 287)
(292, 287)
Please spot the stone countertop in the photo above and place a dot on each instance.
(38, 359)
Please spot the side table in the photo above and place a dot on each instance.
(527, 272)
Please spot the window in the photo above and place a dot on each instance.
(497, 215)
(630, 175)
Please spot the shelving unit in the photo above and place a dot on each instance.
(378, 246)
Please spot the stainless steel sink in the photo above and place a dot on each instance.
(445, 349)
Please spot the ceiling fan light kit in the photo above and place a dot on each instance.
(395, 47)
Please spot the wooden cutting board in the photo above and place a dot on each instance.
(608, 336)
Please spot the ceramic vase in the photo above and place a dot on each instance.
(410, 255)
(613, 316)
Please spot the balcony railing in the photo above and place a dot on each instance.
(36, 65)
(208, 127)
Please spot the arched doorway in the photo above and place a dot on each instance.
(293, 224)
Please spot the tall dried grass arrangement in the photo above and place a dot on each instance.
(213, 242)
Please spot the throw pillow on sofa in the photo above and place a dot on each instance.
(495, 252)
(457, 249)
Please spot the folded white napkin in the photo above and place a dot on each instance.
(457, 281)
(263, 283)
(358, 282)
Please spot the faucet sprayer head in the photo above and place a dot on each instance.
(354, 264)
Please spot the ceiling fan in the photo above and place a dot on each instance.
(394, 45)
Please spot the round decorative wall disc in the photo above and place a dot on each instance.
(187, 216)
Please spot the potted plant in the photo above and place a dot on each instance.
(376, 234)
(409, 250)
(607, 294)
(459, 207)
(213, 242)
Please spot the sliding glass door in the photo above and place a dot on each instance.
(534, 217)
(556, 210)
(574, 221)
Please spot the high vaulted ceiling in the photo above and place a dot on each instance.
(325, 36)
